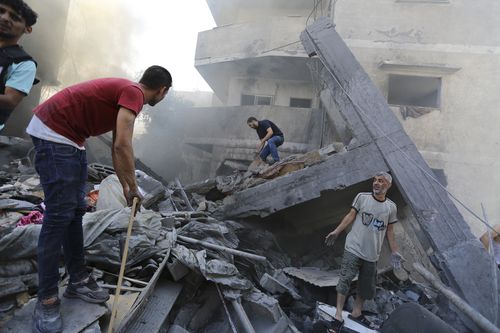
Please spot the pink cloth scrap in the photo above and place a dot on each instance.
(35, 217)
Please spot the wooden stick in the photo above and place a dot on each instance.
(222, 248)
(122, 266)
(184, 195)
(483, 323)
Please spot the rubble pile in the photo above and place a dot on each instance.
(216, 261)
(212, 191)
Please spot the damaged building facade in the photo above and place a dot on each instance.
(244, 252)
(436, 73)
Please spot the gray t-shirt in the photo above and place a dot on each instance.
(368, 230)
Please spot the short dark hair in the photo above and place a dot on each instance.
(249, 120)
(156, 77)
(22, 8)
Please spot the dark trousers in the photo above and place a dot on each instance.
(63, 174)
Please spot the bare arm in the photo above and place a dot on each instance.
(346, 221)
(10, 99)
(123, 153)
(391, 239)
(269, 134)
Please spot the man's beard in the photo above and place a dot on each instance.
(7, 35)
(380, 191)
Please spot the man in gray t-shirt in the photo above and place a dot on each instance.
(373, 215)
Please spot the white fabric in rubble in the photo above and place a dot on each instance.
(21, 243)
(111, 194)
(102, 244)
(214, 270)
(146, 222)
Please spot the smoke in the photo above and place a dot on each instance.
(159, 134)
(98, 41)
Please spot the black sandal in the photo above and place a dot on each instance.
(336, 326)
(362, 320)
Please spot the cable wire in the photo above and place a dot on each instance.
(281, 46)
(361, 112)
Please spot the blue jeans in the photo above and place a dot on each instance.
(63, 175)
(272, 148)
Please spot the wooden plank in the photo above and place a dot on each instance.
(463, 261)
(142, 300)
(125, 304)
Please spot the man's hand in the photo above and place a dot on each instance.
(396, 260)
(331, 238)
(131, 194)
(260, 146)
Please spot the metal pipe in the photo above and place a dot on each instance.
(184, 195)
(124, 288)
(482, 322)
(222, 248)
(231, 323)
(242, 315)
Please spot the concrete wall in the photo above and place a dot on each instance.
(249, 39)
(237, 11)
(457, 41)
(461, 136)
(212, 135)
(281, 90)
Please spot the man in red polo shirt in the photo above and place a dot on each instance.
(59, 129)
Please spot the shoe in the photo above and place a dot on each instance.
(362, 320)
(87, 290)
(47, 318)
(335, 326)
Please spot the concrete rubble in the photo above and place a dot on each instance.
(199, 259)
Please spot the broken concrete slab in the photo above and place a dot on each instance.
(335, 173)
(463, 261)
(177, 329)
(262, 305)
(315, 276)
(327, 313)
(77, 315)
(413, 318)
(157, 308)
(176, 269)
(321, 278)
(274, 286)
(151, 189)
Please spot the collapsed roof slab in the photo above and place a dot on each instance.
(337, 172)
(379, 144)
(460, 257)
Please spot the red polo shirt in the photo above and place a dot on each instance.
(89, 108)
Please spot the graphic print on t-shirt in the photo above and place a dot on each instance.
(366, 218)
(371, 222)
(377, 225)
